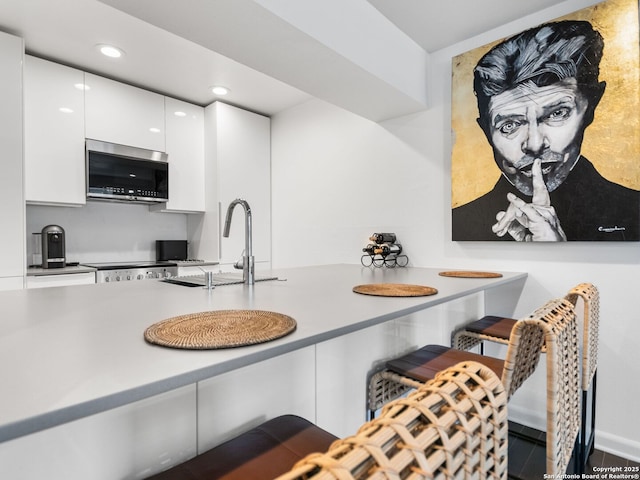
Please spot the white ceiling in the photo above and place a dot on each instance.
(368, 57)
(436, 25)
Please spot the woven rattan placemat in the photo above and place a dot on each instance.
(220, 329)
(470, 274)
(394, 290)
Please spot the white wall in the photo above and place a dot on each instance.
(337, 178)
(107, 232)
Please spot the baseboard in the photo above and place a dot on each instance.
(615, 445)
(528, 417)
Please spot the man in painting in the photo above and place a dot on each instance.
(537, 93)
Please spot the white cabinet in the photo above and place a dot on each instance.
(185, 148)
(54, 133)
(61, 280)
(132, 441)
(11, 283)
(244, 171)
(12, 209)
(123, 114)
(237, 165)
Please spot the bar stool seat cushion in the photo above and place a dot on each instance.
(493, 326)
(425, 363)
(263, 453)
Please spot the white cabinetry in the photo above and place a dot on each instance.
(123, 114)
(238, 164)
(54, 133)
(12, 209)
(61, 280)
(185, 148)
(131, 441)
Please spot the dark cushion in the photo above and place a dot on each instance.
(493, 326)
(425, 363)
(262, 453)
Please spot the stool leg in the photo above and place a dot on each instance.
(577, 457)
(582, 457)
(587, 443)
(593, 414)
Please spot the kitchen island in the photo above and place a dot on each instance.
(72, 356)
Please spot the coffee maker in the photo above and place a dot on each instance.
(53, 247)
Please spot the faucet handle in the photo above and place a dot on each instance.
(239, 265)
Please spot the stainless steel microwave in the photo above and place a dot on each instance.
(126, 174)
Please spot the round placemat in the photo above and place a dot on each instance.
(470, 274)
(394, 290)
(219, 329)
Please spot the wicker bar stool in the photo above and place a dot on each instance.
(413, 369)
(496, 329)
(454, 426)
(554, 324)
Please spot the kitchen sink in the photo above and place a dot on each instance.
(219, 279)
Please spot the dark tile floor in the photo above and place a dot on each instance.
(527, 457)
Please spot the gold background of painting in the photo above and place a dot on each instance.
(611, 142)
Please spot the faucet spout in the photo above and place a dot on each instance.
(248, 261)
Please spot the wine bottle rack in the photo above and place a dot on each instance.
(383, 252)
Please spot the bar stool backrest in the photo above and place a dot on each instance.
(454, 426)
(590, 324)
(523, 353)
(563, 383)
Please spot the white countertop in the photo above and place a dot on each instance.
(69, 352)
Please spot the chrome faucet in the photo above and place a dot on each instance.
(248, 262)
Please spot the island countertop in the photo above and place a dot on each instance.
(70, 352)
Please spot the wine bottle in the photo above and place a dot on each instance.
(388, 248)
(383, 238)
(369, 249)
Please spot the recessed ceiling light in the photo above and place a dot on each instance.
(154, 130)
(65, 110)
(110, 51)
(220, 90)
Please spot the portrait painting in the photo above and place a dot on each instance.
(546, 131)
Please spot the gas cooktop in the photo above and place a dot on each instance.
(131, 270)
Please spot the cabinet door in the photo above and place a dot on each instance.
(244, 171)
(12, 210)
(54, 133)
(185, 147)
(61, 280)
(119, 113)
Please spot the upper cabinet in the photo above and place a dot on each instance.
(12, 240)
(119, 113)
(54, 133)
(63, 106)
(238, 162)
(185, 148)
